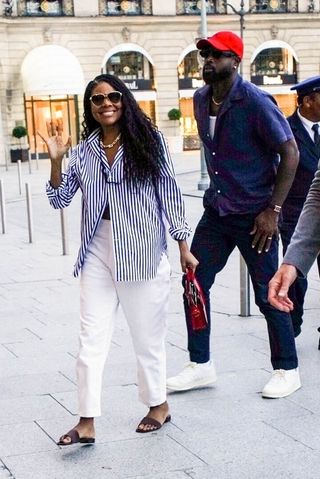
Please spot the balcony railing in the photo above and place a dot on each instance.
(193, 7)
(125, 7)
(45, 8)
(274, 6)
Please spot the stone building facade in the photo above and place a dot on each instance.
(50, 49)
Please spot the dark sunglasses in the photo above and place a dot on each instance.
(208, 52)
(99, 98)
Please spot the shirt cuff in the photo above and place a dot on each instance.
(53, 192)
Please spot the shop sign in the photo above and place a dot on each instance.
(286, 79)
(188, 83)
(268, 80)
(138, 84)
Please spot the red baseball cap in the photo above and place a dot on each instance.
(224, 41)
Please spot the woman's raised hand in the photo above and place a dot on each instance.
(55, 144)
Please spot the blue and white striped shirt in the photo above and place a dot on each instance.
(139, 237)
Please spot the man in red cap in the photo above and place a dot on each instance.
(251, 157)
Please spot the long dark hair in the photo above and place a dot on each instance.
(143, 152)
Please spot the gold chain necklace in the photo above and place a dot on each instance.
(113, 143)
(217, 103)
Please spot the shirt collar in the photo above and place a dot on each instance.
(307, 123)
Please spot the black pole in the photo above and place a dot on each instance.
(241, 13)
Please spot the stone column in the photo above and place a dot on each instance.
(167, 7)
(83, 8)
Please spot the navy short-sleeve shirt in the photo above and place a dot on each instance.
(242, 157)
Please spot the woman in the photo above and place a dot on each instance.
(126, 177)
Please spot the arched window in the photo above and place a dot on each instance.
(189, 67)
(130, 65)
(136, 71)
(274, 66)
(52, 79)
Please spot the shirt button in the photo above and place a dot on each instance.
(213, 153)
(216, 173)
(219, 191)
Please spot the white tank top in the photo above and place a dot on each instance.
(212, 125)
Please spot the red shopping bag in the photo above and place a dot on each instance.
(196, 302)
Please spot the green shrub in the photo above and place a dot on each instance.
(19, 132)
(174, 114)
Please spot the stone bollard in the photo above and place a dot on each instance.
(29, 212)
(3, 208)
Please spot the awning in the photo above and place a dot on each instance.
(52, 70)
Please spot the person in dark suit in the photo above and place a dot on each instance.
(304, 123)
(302, 251)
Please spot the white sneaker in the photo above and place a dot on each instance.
(193, 375)
(282, 383)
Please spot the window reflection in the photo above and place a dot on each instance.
(47, 110)
(189, 67)
(274, 6)
(193, 7)
(130, 65)
(274, 66)
(273, 61)
(126, 7)
(45, 7)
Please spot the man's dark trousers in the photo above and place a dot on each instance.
(214, 240)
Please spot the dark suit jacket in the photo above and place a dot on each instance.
(307, 167)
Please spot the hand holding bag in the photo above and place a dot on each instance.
(196, 302)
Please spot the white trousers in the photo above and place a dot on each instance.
(144, 304)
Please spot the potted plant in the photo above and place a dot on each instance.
(175, 142)
(19, 152)
(174, 114)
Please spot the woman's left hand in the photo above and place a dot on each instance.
(187, 260)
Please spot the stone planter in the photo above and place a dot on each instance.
(19, 154)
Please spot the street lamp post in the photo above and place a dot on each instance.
(204, 180)
(244, 275)
(242, 13)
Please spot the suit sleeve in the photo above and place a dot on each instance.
(305, 243)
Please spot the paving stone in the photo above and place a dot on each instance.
(118, 459)
(223, 432)
(35, 384)
(50, 362)
(305, 465)
(29, 408)
(250, 448)
(5, 354)
(25, 438)
(4, 473)
(166, 475)
(303, 429)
